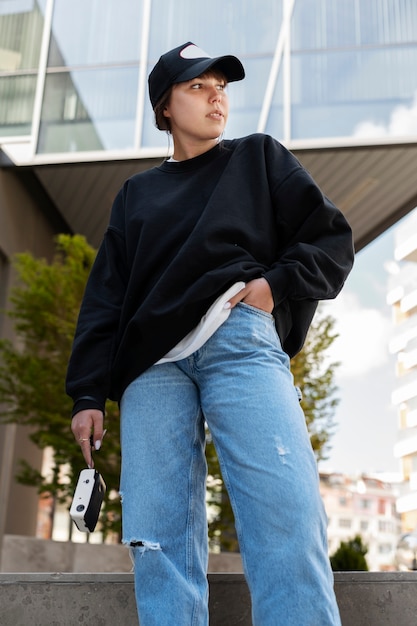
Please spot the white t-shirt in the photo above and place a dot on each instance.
(209, 323)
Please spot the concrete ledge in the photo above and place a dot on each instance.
(377, 598)
(364, 598)
(29, 554)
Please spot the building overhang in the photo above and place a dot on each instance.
(373, 183)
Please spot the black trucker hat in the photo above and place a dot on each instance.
(186, 62)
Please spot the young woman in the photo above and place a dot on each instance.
(204, 286)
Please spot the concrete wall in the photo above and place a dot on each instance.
(28, 554)
(24, 226)
(365, 599)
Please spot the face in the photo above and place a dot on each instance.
(198, 109)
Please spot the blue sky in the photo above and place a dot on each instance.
(366, 422)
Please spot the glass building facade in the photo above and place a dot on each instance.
(73, 74)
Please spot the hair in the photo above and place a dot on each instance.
(164, 123)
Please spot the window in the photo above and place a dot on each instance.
(384, 526)
(345, 523)
(95, 33)
(385, 548)
(89, 109)
(21, 25)
(348, 57)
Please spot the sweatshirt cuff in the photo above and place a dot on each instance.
(85, 403)
(275, 278)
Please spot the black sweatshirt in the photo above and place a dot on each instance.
(180, 234)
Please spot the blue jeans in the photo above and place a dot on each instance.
(240, 383)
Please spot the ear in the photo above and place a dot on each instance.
(166, 112)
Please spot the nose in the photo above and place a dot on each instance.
(215, 95)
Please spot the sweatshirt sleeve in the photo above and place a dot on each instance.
(315, 252)
(88, 378)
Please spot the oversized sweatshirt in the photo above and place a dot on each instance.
(182, 233)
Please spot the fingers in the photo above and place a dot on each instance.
(86, 450)
(237, 298)
(257, 293)
(87, 427)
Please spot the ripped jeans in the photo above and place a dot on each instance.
(240, 383)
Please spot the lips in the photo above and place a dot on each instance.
(217, 115)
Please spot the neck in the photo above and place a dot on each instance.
(183, 152)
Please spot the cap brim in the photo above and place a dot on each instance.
(229, 65)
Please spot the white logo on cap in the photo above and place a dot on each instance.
(193, 52)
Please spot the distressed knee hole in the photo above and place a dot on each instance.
(145, 546)
(140, 548)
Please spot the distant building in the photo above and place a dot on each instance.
(402, 296)
(362, 506)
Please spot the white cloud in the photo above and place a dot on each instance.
(403, 121)
(362, 345)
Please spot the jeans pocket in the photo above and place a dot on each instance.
(254, 309)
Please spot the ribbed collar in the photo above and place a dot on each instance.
(195, 163)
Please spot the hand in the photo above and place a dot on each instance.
(83, 424)
(257, 293)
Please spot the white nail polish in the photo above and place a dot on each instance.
(227, 305)
(97, 445)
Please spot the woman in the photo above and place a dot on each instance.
(204, 286)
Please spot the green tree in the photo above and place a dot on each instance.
(314, 374)
(221, 530)
(350, 556)
(44, 305)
